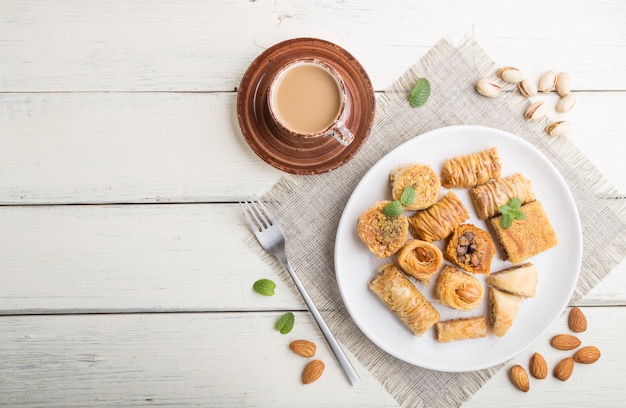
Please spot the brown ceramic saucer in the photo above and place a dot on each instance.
(269, 142)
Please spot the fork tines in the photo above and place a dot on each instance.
(257, 214)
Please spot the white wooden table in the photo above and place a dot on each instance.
(125, 276)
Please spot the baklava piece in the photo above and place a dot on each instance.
(461, 329)
(471, 248)
(439, 220)
(472, 169)
(487, 198)
(525, 238)
(402, 297)
(520, 280)
(420, 259)
(424, 181)
(458, 290)
(503, 308)
(383, 235)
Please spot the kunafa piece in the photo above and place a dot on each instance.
(383, 235)
(471, 249)
(525, 238)
(439, 220)
(461, 329)
(487, 198)
(420, 259)
(503, 308)
(423, 179)
(458, 290)
(520, 280)
(403, 299)
(472, 169)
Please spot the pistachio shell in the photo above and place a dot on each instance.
(566, 103)
(488, 88)
(536, 111)
(527, 88)
(563, 83)
(547, 82)
(511, 75)
(558, 129)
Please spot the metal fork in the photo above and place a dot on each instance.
(272, 238)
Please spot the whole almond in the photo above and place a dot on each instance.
(303, 348)
(538, 366)
(312, 371)
(564, 369)
(576, 320)
(565, 342)
(519, 378)
(469, 293)
(587, 355)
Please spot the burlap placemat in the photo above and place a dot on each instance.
(309, 207)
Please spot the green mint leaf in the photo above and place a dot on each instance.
(505, 209)
(285, 323)
(518, 215)
(393, 209)
(506, 220)
(408, 196)
(514, 203)
(264, 287)
(420, 93)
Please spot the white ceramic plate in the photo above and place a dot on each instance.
(558, 267)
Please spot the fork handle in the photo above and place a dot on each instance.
(328, 335)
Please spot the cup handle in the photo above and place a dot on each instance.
(341, 133)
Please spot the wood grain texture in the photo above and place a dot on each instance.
(238, 360)
(196, 45)
(171, 147)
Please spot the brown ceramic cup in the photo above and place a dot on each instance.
(307, 99)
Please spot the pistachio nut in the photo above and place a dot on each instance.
(559, 128)
(547, 81)
(527, 88)
(566, 103)
(536, 111)
(488, 88)
(563, 83)
(511, 75)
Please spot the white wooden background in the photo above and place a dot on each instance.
(125, 277)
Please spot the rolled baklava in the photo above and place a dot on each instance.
(487, 198)
(461, 329)
(439, 220)
(402, 297)
(472, 169)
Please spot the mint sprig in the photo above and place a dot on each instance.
(420, 93)
(511, 211)
(264, 287)
(396, 208)
(285, 323)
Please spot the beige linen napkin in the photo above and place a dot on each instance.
(309, 207)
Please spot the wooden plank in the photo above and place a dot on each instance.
(173, 147)
(132, 258)
(189, 257)
(125, 147)
(197, 45)
(186, 360)
(233, 360)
